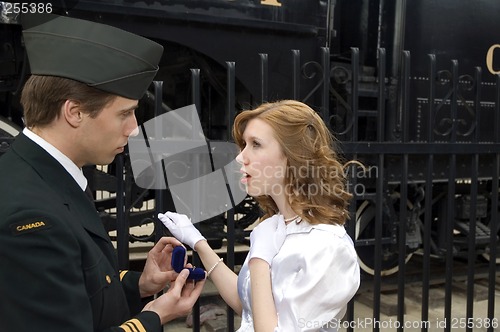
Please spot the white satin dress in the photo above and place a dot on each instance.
(314, 275)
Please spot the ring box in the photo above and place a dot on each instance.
(178, 258)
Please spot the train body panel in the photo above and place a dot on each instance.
(463, 31)
(221, 31)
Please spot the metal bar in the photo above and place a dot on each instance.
(264, 75)
(454, 100)
(403, 218)
(378, 243)
(122, 222)
(195, 86)
(428, 199)
(325, 95)
(296, 74)
(230, 214)
(450, 220)
(494, 222)
(352, 207)
(159, 194)
(403, 198)
(371, 242)
(459, 148)
(477, 102)
(379, 192)
(355, 92)
(471, 254)
(351, 230)
(329, 22)
(381, 95)
(196, 100)
(405, 98)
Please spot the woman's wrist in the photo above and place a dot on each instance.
(200, 245)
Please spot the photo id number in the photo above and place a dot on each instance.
(27, 7)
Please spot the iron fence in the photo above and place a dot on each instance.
(429, 186)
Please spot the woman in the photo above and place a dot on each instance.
(302, 268)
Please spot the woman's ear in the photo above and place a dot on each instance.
(72, 113)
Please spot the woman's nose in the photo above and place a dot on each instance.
(240, 158)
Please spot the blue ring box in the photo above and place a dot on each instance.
(178, 257)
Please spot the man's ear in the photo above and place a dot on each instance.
(72, 113)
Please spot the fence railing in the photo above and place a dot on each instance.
(429, 187)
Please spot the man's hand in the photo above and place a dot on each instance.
(158, 268)
(178, 300)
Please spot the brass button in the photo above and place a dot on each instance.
(108, 279)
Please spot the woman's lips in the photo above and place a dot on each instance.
(245, 177)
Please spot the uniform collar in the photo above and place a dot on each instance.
(67, 163)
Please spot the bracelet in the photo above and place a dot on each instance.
(213, 267)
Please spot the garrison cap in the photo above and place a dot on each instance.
(101, 56)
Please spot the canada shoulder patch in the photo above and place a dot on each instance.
(29, 226)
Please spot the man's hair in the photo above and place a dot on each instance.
(43, 96)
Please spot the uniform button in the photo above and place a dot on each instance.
(108, 279)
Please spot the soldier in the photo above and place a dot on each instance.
(58, 266)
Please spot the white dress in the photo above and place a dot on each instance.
(314, 275)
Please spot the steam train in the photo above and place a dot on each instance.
(348, 60)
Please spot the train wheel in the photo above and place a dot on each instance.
(365, 229)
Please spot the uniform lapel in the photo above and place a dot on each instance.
(61, 182)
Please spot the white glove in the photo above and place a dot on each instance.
(267, 238)
(181, 228)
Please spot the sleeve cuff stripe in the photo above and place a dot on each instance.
(126, 328)
(133, 325)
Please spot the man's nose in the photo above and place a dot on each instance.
(135, 129)
(134, 132)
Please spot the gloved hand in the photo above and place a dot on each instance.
(181, 228)
(267, 238)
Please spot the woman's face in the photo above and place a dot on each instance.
(263, 162)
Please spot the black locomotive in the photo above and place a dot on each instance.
(364, 65)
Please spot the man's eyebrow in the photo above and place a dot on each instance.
(131, 108)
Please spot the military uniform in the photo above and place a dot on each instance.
(58, 268)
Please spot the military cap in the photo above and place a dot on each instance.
(101, 56)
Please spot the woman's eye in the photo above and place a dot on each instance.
(255, 144)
